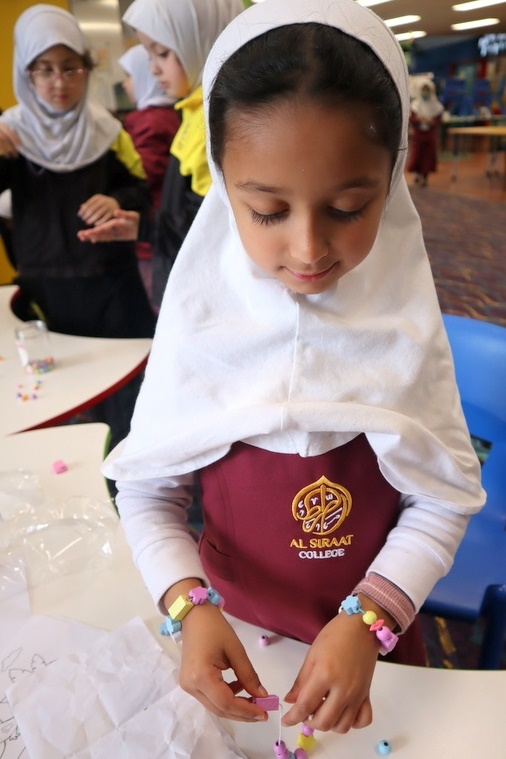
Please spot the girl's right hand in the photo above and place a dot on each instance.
(10, 141)
(210, 646)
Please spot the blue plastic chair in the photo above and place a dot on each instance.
(475, 587)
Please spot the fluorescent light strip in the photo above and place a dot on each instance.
(475, 24)
(474, 4)
(406, 36)
(370, 3)
(400, 20)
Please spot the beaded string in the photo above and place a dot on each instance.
(387, 638)
(305, 741)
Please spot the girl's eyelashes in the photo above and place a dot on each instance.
(268, 218)
(348, 215)
(336, 213)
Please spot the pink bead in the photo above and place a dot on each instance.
(264, 640)
(387, 638)
(306, 730)
(280, 750)
(198, 595)
(269, 703)
(59, 466)
(300, 753)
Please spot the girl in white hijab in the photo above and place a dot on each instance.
(143, 89)
(153, 122)
(178, 35)
(301, 367)
(57, 138)
(69, 165)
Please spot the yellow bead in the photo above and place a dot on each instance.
(307, 742)
(369, 618)
(180, 608)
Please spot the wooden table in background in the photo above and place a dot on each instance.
(495, 134)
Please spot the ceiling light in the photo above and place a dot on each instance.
(400, 20)
(474, 24)
(406, 36)
(474, 4)
(99, 26)
(370, 3)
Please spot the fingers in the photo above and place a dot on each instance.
(98, 209)
(219, 697)
(123, 226)
(330, 713)
(111, 230)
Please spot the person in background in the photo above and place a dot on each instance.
(70, 165)
(154, 122)
(178, 35)
(425, 118)
(152, 126)
(6, 225)
(301, 368)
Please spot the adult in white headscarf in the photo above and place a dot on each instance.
(426, 113)
(260, 373)
(57, 140)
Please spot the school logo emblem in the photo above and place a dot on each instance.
(321, 506)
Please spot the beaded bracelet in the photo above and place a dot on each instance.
(388, 639)
(184, 604)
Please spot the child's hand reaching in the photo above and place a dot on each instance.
(210, 646)
(121, 225)
(334, 681)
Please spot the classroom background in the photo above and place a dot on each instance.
(461, 208)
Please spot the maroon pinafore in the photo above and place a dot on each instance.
(287, 538)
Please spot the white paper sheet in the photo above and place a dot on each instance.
(33, 648)
(119, 699)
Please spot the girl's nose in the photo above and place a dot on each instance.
(309, 243)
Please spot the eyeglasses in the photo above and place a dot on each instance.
(47, 76)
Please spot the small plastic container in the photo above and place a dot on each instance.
(34, 348)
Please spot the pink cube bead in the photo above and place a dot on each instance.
(59, 467)
(269, 703)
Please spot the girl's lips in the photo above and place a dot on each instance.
(311, 277)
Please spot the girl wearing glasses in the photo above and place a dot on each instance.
(70, 165)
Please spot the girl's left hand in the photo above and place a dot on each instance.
(98, 209)
(333, 684)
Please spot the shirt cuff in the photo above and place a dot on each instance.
(389, 597)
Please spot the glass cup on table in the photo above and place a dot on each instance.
(34, 347)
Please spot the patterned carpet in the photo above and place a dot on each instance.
(466, 244)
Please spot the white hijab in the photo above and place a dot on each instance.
(427, 109)
(59, 141)
(147, 90)
(237, 356)
(188, 27)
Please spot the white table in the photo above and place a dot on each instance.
(87, 370)
(448, 714)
